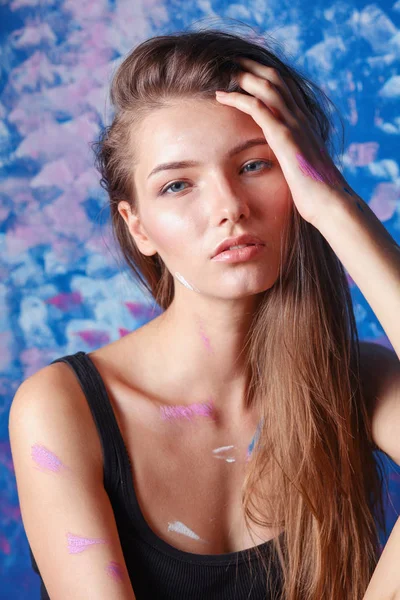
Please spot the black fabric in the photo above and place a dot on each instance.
(157, 570)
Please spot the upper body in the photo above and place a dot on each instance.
(178, 479)
(176, 476)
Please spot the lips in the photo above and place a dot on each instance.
(247, 239)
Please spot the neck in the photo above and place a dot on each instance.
(203, 353)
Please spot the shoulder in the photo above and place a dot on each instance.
(51, 403)
(380, 373)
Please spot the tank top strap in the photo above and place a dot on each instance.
(115, 458)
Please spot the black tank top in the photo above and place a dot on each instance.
(157, 570)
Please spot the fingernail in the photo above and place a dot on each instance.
(220, 93)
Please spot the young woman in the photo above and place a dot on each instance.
(226, 448)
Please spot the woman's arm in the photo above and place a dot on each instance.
(371, 257)
(381, 381)
(65, 509)
(384, 584)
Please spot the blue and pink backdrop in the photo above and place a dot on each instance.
(63, 287)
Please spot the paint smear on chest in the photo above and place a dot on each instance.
(224, 453)
(182, 529)
(188, 412)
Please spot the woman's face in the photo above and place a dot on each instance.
(184, 212)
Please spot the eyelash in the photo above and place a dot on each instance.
(163, 190)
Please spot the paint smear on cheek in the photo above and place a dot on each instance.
(77, 543)
(46, 460)
(115, 571)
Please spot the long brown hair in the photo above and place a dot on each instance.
(312, 470)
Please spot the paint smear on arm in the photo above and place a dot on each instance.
(78, 544)
(115, 571)
(46, 460)
(326, 174)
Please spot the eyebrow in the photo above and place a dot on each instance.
(182, 164)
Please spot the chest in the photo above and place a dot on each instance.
(188, 477)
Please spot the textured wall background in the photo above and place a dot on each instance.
(62, 288)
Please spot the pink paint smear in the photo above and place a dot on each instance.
(115, 571)
(326, 174)
(197, 409)
(77, 544)
(46, 459)
(205, 338)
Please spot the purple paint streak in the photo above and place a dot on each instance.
(308, 169)
(197, 409)
(77, 544)
(206, 340)
(115, 571)
(46, 459)
(326, 174)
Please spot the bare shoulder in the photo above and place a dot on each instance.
(133, 359)
(380, 372)
(54, 396)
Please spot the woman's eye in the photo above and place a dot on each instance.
(164, 190)
(268, 163)
(254, 162)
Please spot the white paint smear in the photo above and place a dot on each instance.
(229, 459)
(222, 449)
(185, 283)
(179, 527)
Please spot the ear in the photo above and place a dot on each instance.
(136, 229)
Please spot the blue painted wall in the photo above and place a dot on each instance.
(61, 286)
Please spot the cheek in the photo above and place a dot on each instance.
(170, 233)
(277, 204)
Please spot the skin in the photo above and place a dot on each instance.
(217, 199)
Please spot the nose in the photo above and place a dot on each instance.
(227, 202)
